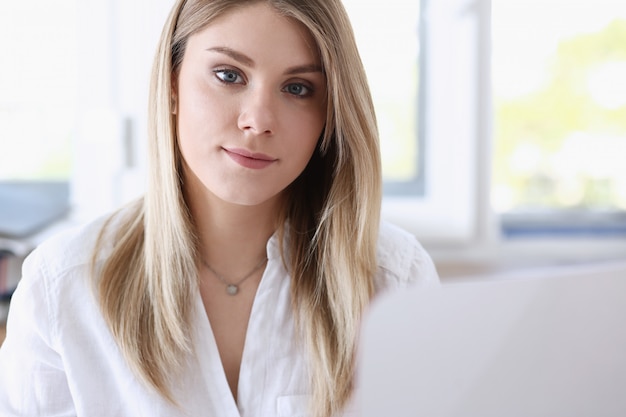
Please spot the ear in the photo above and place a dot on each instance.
(174, 95)
(174, 103)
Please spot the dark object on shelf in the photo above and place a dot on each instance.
(5, 297)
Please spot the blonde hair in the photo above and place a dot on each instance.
(147, 285)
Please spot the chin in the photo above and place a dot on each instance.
(252, 199)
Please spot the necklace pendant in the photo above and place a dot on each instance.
(232, 289)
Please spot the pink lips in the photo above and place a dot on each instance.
(249, 159)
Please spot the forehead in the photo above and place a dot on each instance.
(260, 31)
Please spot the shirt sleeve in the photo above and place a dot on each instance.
(32, 377)
(402, 261)
(422, 270)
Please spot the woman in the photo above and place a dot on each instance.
(236, 285)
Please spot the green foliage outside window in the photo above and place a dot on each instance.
(564, 145)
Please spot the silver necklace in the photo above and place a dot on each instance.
(233, 288)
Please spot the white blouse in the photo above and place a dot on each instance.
(59, 358)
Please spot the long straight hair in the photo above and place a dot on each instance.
(147, 285)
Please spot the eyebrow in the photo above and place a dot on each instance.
(246, 60)
(237, 56)
(303, 69)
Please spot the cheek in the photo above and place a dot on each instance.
(313, 131)
(202, 117)
(307, 124)
(305, 136)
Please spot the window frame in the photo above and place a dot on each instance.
(453, 78)
(455, 217)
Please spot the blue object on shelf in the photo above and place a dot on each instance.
(27, 206)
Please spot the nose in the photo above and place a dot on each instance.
(258, 112)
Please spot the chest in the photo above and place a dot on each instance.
(229, 317)
(247, 357)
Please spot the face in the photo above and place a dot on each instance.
(250, 106)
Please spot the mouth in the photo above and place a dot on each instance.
(249, 159)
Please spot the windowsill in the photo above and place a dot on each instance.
(566, 223)
(524, 253)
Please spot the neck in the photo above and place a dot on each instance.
(233, 238)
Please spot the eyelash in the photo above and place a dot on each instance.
(308, 90)
(223, 71)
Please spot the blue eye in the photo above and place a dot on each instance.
(228, 76)
(299, 90)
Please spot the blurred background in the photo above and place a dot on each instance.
(503, 122)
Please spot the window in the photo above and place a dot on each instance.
(560, 116)
(37, 89)
(73, 95)
(520, 116)
(390, 52)
(428, 155)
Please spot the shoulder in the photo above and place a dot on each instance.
(402, 261)
(68, 249)
(57, 275)
(74, 247)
